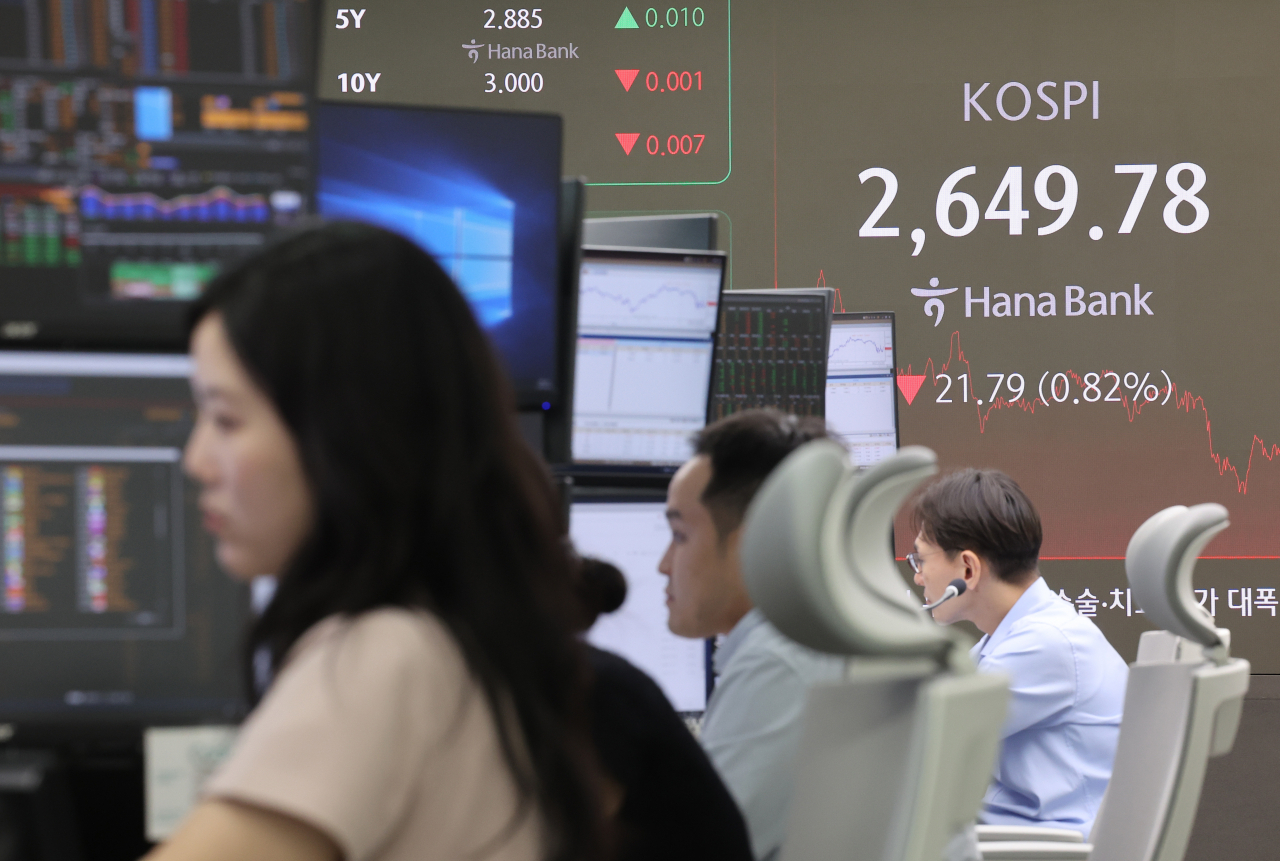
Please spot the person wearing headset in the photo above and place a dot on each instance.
(1067, 682)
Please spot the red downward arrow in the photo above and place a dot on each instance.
(629, 140)
(627, 76)
(909, 385)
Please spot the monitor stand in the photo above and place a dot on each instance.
(37, 819)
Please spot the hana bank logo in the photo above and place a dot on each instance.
(473, 51)
(935, 303)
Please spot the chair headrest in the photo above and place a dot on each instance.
(817, 556)
(1160, 561)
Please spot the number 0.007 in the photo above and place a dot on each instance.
(513, 83)
(676, 144)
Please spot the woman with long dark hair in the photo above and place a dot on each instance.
(356, 437)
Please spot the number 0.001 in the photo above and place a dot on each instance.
(513, 83)
(676, 144)
(676, 82)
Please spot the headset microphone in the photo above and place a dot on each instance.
(955, 588)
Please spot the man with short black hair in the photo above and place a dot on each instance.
(1067, 682)
(751, 729)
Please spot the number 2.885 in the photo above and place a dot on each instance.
(514, 19)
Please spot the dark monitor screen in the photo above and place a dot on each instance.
(140, 154)
(479, 191)
(633, 533)
(772, 352)
(646, 339)
(862, 405)
(113, 607)
(693, 231)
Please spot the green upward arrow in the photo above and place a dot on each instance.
(626, 21)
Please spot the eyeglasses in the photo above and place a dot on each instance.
(916, 560)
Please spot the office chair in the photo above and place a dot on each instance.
(1182, 706)
(894, 759)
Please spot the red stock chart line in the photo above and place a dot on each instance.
(1236, 479)
(837, 303)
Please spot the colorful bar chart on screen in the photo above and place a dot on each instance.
(217, 204)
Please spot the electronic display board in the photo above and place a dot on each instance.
(1069, 206)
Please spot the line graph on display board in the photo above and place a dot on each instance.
(661, 301)
(672, 305)
(1098, 450)
(869, 348)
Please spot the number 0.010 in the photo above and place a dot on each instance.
(682, 17)
(675, 144)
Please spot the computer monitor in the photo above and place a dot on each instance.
(862, 406)
(113, 608)
(772, 352)
(144, 152)
(632, 533)
(479, 190)
(647, 324)
(694, 231)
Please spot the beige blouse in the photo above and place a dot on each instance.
(375, 733)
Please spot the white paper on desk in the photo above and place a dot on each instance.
(179, 760)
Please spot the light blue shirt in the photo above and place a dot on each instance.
(1059, 741)
(751, 730)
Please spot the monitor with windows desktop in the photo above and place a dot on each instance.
(647, 322)
(480, 191)
(862, 406)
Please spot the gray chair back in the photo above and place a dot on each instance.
(817, 558)
(1178, 712)
(895, 758)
